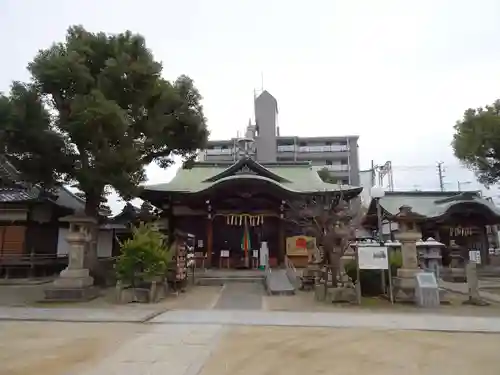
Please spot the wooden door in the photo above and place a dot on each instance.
(12, 240)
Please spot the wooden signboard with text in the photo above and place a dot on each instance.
(300, 245)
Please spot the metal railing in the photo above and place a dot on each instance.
(284, 148)
(336, 167)
(323, 148)
(292, 273)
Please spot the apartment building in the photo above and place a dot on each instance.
(339, 154)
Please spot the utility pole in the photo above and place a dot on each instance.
(440, 170)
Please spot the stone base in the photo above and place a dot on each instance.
(404, 285)
(74, 279)
(55, 294)
(156, 293)
(335, 295)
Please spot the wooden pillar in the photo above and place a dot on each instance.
(210, 233)
(281, 234)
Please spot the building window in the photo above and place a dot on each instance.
(285, 142)
(302, 144)
(328, 162)
(328, 143)
(344, 162)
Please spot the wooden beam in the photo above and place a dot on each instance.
(209, 242)
(281, 239)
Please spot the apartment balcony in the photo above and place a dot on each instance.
(219, 151)
(313, 149)
(336, 167)
(288, 148)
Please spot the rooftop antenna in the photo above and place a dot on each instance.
(261, 81)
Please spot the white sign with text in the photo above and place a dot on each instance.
(373, 258)
(475, 256)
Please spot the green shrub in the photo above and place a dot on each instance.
(143, 257)
(371, 284)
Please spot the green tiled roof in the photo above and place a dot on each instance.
(430, 204)
(295, 177)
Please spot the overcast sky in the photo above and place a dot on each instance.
(396, 73)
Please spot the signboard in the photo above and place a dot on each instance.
(299, 245)
(224, 253)
(427, 290)
(373, 258)
(475, 256)
(263, 254)
(426, 280)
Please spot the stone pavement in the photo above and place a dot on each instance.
(462, 288)
(118, 314)
(168, 349)
(386, 321)
(240, 296)
(351, 319)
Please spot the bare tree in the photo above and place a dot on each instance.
(329, 219)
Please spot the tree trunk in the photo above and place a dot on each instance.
(91, 259)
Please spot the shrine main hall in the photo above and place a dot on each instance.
(232, 208)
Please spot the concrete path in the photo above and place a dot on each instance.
(387, 321)
(167, 349)
(111, 314)
(246, 315)
(240, 296)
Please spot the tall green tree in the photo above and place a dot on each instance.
(476, 142)
(96, 112)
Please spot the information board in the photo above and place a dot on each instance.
(475, 256)
(373, 258)
(427, 280)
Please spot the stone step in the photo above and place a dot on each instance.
(209, 281)
(278, 283)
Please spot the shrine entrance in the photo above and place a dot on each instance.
(237, 240)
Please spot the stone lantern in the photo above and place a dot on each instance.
(408, 234)
(74, 282)
(429, 255)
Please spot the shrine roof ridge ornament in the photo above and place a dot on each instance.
(247, 166)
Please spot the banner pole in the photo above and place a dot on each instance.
(358, 278)
(391, 295)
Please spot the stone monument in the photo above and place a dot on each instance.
(473, 284)
(408, 235)
(74, 282)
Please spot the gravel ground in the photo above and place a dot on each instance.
(32, 348)
(299, 351)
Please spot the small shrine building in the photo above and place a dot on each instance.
(456, 219)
